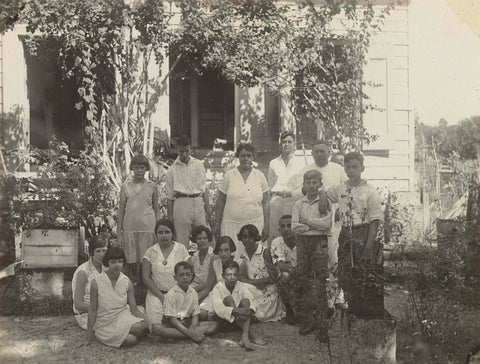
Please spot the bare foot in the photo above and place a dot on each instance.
(246, 344)
(258, 341)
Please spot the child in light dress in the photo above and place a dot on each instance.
(137, 213)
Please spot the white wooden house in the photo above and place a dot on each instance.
(207, 107)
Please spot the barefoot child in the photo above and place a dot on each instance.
(360, 254)
(137, 213)
(233, 302)
(312, 228)
(181, 307)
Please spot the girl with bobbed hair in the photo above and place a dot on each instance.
(137, 212)
(224, 249)
(83, 277)
(256, 268)
(113, 316)
(243, 198)
(202, 236)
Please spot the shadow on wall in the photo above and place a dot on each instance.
(13, 137)
(252, 114)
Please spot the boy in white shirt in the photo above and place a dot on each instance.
(182, 308)
(233, 302)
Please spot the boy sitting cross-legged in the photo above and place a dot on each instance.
(182, 308)
(233, 302)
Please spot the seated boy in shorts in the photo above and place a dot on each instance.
(182, 308)
(284, 257)
(233, 303)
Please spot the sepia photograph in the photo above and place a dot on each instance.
(240, 181)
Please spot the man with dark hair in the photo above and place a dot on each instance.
(280, 170)
(187, 195)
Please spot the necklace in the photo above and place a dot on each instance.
(165, 254)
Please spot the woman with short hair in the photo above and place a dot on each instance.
(243, 198)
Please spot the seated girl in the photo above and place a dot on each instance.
(82, 278)
(113, 312)
(257, 269)
(182, 310)
(224, 248)
(202, 236)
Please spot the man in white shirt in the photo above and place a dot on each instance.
(280, 171)
(233, 302)
(187, 195)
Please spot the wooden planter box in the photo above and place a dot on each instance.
(51, 248)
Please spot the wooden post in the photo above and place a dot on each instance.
(358, 341)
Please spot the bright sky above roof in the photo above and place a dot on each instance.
(445, 78)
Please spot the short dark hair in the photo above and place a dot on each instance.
(185, 265)
(247, 146)
(287, 133)
(167, 223)
(285, 217)
(224, 239)
(197, 230)
(98, 241)
(114, 252)
(353, 156)
(311, 174)
(321, 141)
(252, 230)
(183, 141)
(230, 264)
(140, 160)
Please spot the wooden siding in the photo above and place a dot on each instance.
(392, 45)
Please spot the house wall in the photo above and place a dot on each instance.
(390, 53)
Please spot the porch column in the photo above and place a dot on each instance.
(161, 115)
(287, 120)
(194, 111)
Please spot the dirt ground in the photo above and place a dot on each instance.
(53, 339)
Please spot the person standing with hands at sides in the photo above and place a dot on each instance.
(312, 227)
(280, 171)
(187, 195)
(243, 198)
(137, 213)
(113, 316)
(182, 309)
(233, 303)
(332, 174)
(360, 254)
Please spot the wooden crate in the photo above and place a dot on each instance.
(50, 248)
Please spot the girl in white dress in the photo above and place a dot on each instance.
(255, 269)
(83, 277)
(113, 314)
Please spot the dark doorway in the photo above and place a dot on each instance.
(52, 104)
(202, 107)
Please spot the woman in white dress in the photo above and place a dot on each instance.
(113, 313)
(158, 269)
(82, 279)
(243, 198)
(257, 269)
